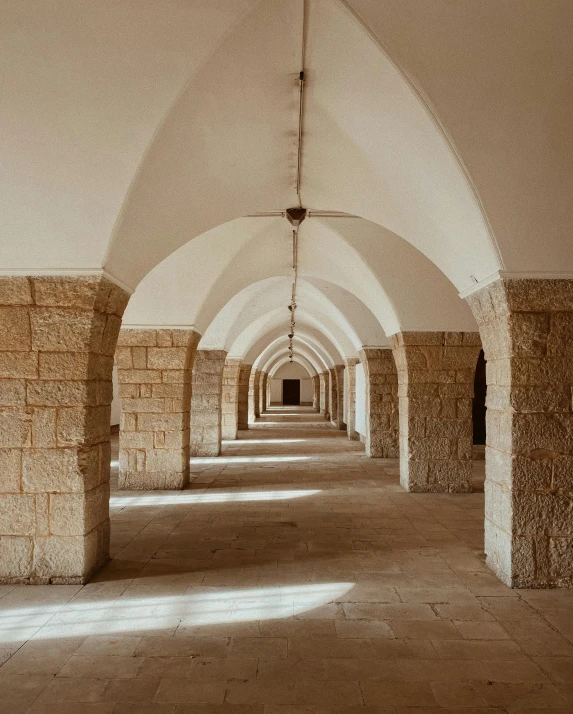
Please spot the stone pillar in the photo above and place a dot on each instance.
(254, 394)
(263, 393)
(526, 328)
(58, 337)
(351, 363)
(243, 406)
(337, 395)
(230, 399)
(207, 387)
(436, 373)
(257, 393)
(154, 373)
(325, 394)
(381, 381)
(316, 392)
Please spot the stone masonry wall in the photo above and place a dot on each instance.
(243, 408)
(58, 337)
(436, 373)
(206, 392)
(381, 381)
(154, 373)
(527, 333)
(351, 387)
(262, 392)
(230, 399)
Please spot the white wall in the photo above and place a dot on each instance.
(360, 424)
(291, 371)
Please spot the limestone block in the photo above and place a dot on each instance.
(83, 425)
(15, 328)
(18, 364)
(44, 427)
(60, 470)
(15, 426)
(68, 559)
(10, 470)
(17, 514)
(16, 557)
(78, 513)
(167, 357)
(15, 290)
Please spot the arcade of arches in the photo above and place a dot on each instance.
(298, 403)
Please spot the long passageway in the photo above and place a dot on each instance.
(293, 571)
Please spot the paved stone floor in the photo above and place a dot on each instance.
(294, 576)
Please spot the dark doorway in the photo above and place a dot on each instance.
(291, 391)
(478, 407)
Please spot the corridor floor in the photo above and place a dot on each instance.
(294, 576)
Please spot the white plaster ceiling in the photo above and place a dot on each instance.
(138, 136)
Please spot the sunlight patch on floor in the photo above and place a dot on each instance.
(199, 606)
(184, 497)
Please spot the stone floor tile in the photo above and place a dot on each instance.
(258, 647)
(134, 690)
(425, 630)
(452, 694)
(481, 630)
(268, 691)
(326, 648)
(501, 650)
(412, 694)
(71, 708)
(104, 645)
(222, 668)
(331, 693)
(101, 667)
(355, 580)
(181, 691)
(558, 669)
(75, 689)
(515, 697)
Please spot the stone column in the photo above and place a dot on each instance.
(526, 328)
(58, 337)
(263, 393)
(253, 395)
(243, 406)
(230, 399)
(316, 393)
(325, 394)
(381, 381)
(207, 387)
(337, 395)
(436, 373)
(154, 373)
(257, 394)
(351, 363)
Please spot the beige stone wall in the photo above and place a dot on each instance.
(154, 372)
(436, 373)
(57, 341)
(230, 399)
(527, 333)
(351, 388)
(206, 393)
(243, 408)
(381, 381)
